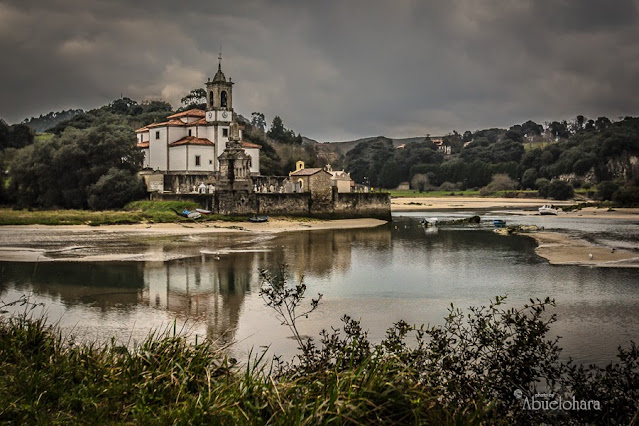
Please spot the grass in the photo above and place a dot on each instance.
(135, 212)
(169, 380)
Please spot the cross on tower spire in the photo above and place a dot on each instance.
(219, 64)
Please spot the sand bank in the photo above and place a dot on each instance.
(87, 243)
(469, 203)
(562, 249)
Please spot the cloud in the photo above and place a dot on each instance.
(333, 70)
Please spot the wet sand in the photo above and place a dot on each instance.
(20, 243)
(469, 203)
(562, 249)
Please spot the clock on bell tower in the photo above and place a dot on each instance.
(219, 96)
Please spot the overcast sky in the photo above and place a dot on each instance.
(333, 70)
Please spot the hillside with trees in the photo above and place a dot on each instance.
(87, 155)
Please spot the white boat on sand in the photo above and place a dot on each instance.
(548, 209)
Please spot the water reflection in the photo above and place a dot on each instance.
(397, 271)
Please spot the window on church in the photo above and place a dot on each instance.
(210, 161)
(197, 160)
(190, 132)
(211, 98)
(157, 135)
(225, 132)
(223, 97)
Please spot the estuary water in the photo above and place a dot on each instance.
(379, 275)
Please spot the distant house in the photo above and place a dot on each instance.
(441, 146)
(340, 180)
(404, 186)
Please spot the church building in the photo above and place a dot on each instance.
(186, 148)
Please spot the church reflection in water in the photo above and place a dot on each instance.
(210, 287)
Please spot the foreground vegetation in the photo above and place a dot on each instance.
(479, 367)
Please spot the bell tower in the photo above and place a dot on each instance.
(219, 96)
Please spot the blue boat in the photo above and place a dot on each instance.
(499, 223)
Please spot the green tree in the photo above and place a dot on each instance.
(528, 178)
(59, 172)
(542, 185)
(114, 189)
(258, 121)
(560, 190)
(606, 189)
(196, 98)
(277, 130)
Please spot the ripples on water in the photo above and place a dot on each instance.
(380, 275)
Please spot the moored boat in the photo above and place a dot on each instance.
(499, 223)
(188, 214)
(258, 219)
(548, 209)
(202, 211)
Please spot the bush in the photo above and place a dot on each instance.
(626, 196)
(447, 186)
(542, 185)
(560, 190)
(114, 189)
(501, 182)
(606, 189)
(489, 359)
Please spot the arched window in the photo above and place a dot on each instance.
(212, 99)
(223, 99)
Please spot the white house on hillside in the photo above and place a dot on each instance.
(190, 142)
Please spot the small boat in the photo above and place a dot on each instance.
(258, 219)
(202, 211)
(499, 223)
(548, 209)
(188, 214)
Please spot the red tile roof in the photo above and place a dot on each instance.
(246, 144)
(167, 123)
(142, 130)
(143, 144)
(201, 121)
(307, 172)
(192, 140)
(190, 113)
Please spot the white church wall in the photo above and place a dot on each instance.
(158, 148)
(207, 158)
(177, 133)
(177, 158)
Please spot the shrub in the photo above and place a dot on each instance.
(560, 190)
(542, 185)
(115, 189)
(501, 182)
(528, 179)
(447, 186)
(606, 189)
(626, 196)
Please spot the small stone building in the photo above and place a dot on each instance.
(314, 180)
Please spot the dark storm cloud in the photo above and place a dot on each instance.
(332, 70)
